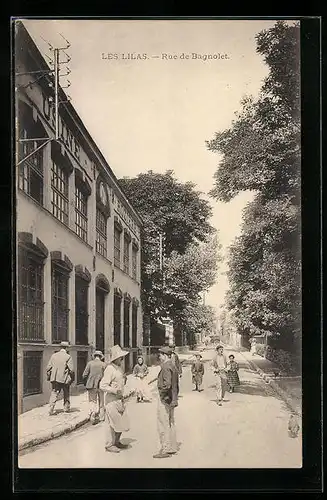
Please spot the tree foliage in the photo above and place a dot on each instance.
(261, 153)
(177, 211)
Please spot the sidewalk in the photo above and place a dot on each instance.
(37, 426)
(289, 388)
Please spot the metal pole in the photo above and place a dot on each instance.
(56, 71)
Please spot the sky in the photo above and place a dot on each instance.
(156, 113)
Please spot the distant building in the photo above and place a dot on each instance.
(78, 238)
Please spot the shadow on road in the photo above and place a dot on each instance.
(251, 389)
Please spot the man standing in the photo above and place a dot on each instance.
(60, 372)
(112, 383)
(219, 364)
(92, 375)
(167, 402)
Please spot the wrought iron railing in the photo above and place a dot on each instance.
(31, 321)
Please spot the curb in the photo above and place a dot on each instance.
(63, 429)
(287, 399)
(52, 435)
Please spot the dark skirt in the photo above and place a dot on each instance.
(233, 379)
(197, 378)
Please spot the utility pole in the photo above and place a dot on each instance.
(55, 73)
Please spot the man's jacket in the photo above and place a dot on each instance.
(60, 368)
(168, 384)
(93, 373)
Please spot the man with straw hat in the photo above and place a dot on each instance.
(92, 376)
(112, 384)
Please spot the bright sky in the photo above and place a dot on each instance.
(157, 113)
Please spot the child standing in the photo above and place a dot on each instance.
(140, 371)
(197, 370)
(232, 375)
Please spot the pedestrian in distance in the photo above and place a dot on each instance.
(197, 370)
(60, 372)
(92, 376)
(232, 373)
(167, 402)
(219, 365)
(253, 349)
(140, 372)
(113, 385)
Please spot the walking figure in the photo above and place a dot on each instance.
(92, 376)
(219, 364)
(167, 402)
(60, 372)
(197, 371)
(140, 371)
(232, 375)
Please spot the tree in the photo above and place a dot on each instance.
(177, 211)
(261, 153)
(196, 318)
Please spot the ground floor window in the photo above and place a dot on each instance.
(81, 311)
(60, 310)
(126, 322)
(82, 358)
(117, 318)
(32, 372)
(134, 325)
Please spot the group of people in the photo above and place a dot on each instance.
(226, 372)
(108, 393)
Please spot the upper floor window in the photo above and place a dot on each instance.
(101, 233)
(117, 235)
(59, 192)
(31, 170)
(134, 262)
(126, 254)
(81, 213)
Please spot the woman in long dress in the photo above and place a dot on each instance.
(253, 349)
(232, 373)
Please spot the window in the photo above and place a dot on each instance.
(82, 357)
(117, 318)
(126, 322)
(134, 325)
(80, 213)
(101, 233)
(81, 311)
(59, 193)
(31, 170)
(31, 305)
(126, 255)
(32, 370)
(117, 234)
(59, 305)
(134, 262)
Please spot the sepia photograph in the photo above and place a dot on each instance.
(158, 243)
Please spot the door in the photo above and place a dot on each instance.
(100, 323)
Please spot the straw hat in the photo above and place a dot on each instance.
(165, 350)
(64, 343)
(117, 352)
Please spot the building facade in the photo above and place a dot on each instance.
(78, 237)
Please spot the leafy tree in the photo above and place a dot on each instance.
(196, 318)
(177, 211)
(261, 153)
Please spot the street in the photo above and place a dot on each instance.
(248, 431)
